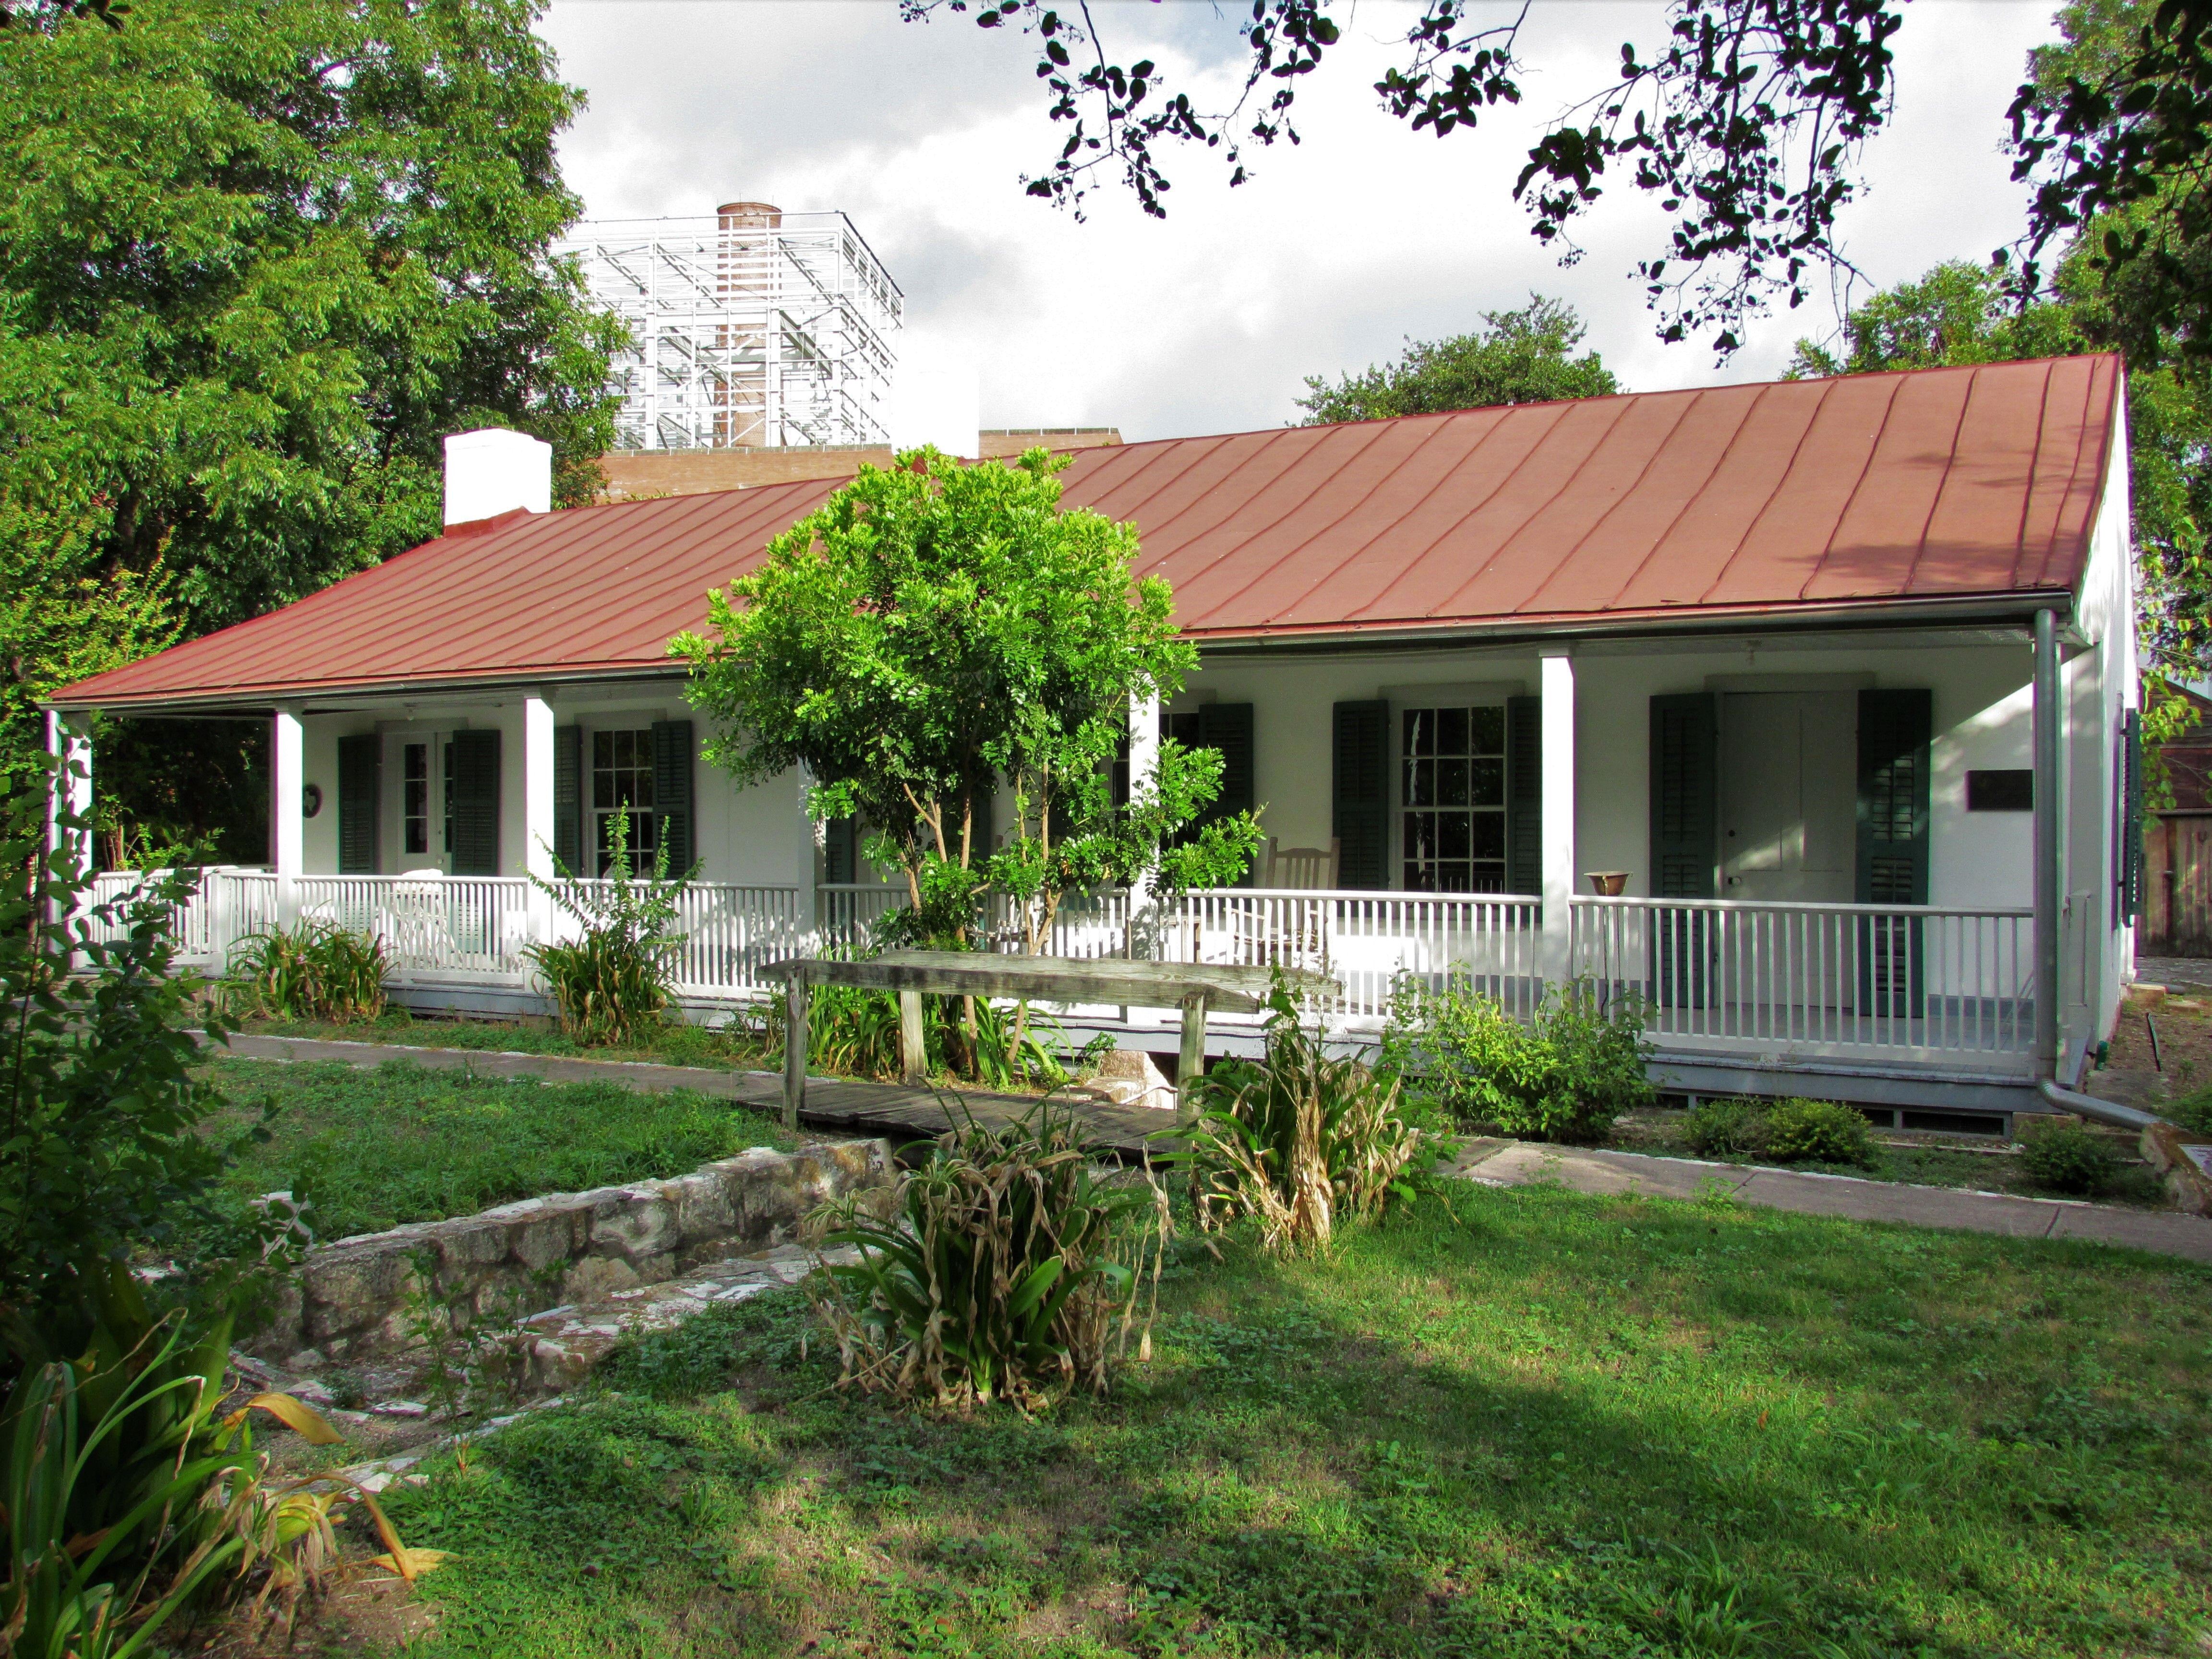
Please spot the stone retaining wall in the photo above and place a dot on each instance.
(348, 1300)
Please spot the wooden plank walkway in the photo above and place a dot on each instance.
(837, 1104)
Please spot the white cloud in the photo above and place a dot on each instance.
(1338, 249)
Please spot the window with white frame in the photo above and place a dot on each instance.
(414, 797)
(622, 780)
(1452, 797)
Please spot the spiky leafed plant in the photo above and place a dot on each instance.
(1005, 1269)
(1298, 1141)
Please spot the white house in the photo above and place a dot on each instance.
(1833, 679)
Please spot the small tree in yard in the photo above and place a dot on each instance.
(934, 628)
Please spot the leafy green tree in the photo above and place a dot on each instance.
(1524, 356)
(255, 263)
(936, 628)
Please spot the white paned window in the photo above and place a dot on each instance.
(621, 779)
(1452, 795)
(414, 797)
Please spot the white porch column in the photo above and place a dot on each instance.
(2049, 750)
(66, 738)
(1145, 924)
(1558, 688)
(288, 825)
(806, 850)
(72, 798)
(537, 810)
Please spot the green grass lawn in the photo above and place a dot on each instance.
(373, 1148)
(1534, 1423)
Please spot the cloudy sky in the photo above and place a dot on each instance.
(1331, 255)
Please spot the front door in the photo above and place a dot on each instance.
(1789, 796)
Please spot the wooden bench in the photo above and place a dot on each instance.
(1193, 987)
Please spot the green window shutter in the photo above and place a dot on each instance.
(1359, 792)
(1684, 795)
(671, 793)
(1227, 727)
(841, 852)
(2128, 871)
(1524, 795)
(982, 829)
(568, 798)
(361, 761)
(1895, 728)
(1684, 791)
(474, 803)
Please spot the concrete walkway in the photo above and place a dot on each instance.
(1517, 1164)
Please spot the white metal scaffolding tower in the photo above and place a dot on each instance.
(753, 327)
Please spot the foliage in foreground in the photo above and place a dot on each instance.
(118, 1492)
(1299, 1142)
(611, 982)
(1564, 1076)
(1005, 1269)
(316, 970)
(1531, 1424)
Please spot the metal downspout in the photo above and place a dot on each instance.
(2048, 722)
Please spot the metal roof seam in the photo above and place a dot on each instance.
(1437, 541)
(1437, 429)
(1694, 401)
(2027, 496)
(2102, 443)
(1285, 554)
(1850, 496)
(1950, 462)
(1505, 544)
(1263, 447)
(1694, 497)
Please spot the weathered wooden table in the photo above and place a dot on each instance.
(1192, 987)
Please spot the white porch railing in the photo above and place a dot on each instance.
(432, 926)
(1907, 982)
(1896, 983)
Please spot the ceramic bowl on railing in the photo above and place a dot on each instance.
(1608, 883)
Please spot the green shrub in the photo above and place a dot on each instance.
(1819, 1132)
(2192, 1112)
(118, 1494)
(1006, 1269)
(2069, 1156)
(1298, 1141)
(317, 970)
(1727, 1128)
(1565, 1077)
(611, 982)
(855, 1033)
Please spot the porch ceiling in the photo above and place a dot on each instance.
(1789, 501)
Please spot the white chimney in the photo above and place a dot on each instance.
(492, 472)
(934, 400)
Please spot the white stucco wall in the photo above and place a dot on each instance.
(1981, 718)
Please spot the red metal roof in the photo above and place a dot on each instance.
(1783, 498)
